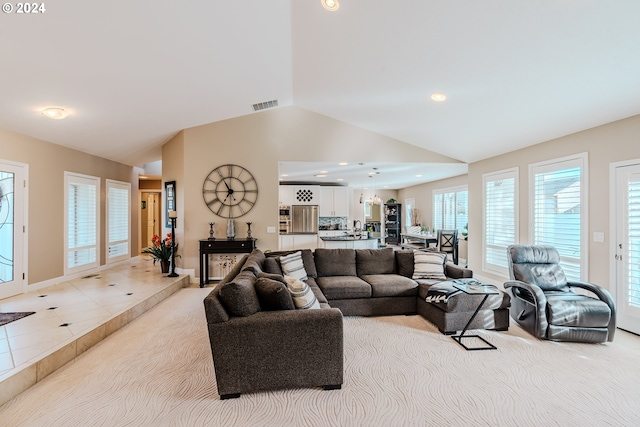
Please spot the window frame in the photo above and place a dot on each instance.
(580, 160)
(69, 178)
(511, 173)
(442, 191)
(110, 183)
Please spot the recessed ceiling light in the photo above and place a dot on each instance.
(438, 97)
(330, 5)
(324, 171)
(284, 174)
(56, 113)
(343, 164)
(320, 175)
(418, 176)
(339, 179)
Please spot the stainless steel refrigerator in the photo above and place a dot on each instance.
(304, 219)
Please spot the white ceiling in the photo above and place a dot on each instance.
(368, 175)
(134, 73)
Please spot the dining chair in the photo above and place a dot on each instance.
(447, 242)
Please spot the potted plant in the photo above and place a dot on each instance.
(160, 250)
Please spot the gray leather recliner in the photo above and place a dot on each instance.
(544, 303)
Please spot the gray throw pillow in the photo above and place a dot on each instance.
(239, 296)
(271, 266)
(273, 294)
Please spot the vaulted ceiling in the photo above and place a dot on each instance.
(134, 73)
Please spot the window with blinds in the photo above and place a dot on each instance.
(81, 225)
(557, 218)
(118, 220)
(451, 209)
(500, 218)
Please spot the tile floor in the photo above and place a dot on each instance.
(72, 316)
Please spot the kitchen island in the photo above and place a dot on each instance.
(351, 242)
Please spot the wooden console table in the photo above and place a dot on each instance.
(208, 247)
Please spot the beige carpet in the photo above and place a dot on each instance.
(399, 371)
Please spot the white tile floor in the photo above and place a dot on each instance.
(72, 316)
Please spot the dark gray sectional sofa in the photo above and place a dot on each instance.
(257, 344)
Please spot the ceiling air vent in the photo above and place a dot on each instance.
(264, 105)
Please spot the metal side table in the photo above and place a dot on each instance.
(477, 289)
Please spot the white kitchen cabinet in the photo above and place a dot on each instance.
(286, 242)
(289, 242)
(285, 193)
(305, 241)
(352, 244)
(334, 201)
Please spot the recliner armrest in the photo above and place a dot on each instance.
(603, 295)
(534, 297)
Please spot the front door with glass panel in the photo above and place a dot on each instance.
(12, 177)
(627, 245)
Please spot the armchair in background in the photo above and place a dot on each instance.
(544, 303)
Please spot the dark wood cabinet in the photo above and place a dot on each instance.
(208, 247)
(393, 222)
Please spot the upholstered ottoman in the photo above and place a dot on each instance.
(450, 309)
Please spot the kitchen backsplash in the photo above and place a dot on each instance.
(332, 223)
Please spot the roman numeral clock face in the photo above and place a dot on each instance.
(230, 191)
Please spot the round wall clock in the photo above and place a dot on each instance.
(230, 191)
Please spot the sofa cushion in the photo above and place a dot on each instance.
(254, 262)
(335, 262)
(278, 277)
(292, 266)
(375, 261)
(571, 309)
(391, 285)
(344, 287)
(271, 266)
(429, 265)
(316, 290)
(302, 295)
(239, 296)
(273, 294)
(307, 259)
(404, 263)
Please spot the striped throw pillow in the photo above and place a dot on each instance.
(429, 265)
(292, 266)
(301, 293)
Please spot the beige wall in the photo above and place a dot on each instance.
(257, 142)
(47, 164)
(605, 144)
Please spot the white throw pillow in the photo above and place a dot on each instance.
(301, 293)
(293, 266)
(429, 265)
